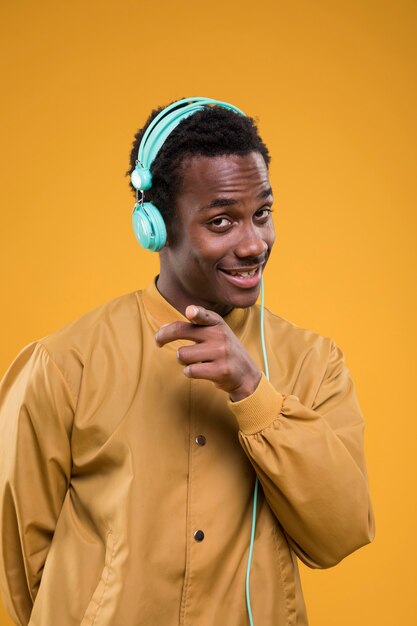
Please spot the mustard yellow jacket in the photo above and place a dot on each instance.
(112, 461)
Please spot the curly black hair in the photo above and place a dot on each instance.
(212, 131)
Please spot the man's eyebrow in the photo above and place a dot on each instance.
(265, 194)
(220, 202)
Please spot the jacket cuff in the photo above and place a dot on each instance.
(258, 410)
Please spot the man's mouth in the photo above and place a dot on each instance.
(243, 273)
(246, 278)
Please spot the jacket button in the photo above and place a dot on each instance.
(199, 535)
(200, 440)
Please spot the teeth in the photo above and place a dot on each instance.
(243, 274)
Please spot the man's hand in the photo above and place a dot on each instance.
(217, 354)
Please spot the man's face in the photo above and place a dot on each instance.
(222, 235)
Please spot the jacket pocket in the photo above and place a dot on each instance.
(93, 610)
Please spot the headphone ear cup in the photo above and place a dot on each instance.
(149, 226)
(158, 227)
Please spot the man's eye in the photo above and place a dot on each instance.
(220, 222)
(263, 214)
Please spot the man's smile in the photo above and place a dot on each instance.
(247, 278)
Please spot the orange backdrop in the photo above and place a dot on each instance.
(334, 87)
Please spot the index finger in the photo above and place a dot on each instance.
(177, 330)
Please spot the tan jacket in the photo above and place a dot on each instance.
(104, 479)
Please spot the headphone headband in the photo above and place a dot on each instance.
(159, 130)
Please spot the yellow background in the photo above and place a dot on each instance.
(333, 84)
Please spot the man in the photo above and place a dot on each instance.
(133, 439)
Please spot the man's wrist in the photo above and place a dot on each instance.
(246, 388)
(259, 410)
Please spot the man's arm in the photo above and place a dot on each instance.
(36, 412)
(310, 461)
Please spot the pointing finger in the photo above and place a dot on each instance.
(198, 317)
(177, 330)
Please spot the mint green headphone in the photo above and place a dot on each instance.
(148, 223)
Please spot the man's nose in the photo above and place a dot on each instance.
(251, 243)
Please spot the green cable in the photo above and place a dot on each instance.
(252, 539)
(255, 491)
(263, 330)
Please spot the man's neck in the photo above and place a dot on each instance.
(180, 302)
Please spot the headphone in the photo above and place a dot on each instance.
(147, 221)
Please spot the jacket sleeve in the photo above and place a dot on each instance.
(36, 411)
(310, 462)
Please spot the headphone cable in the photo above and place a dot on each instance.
(256, 488)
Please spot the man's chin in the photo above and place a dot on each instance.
(245, 300)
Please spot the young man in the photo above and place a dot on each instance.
(131, 440)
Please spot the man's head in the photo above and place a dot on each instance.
(210, 182)
(213, 131)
